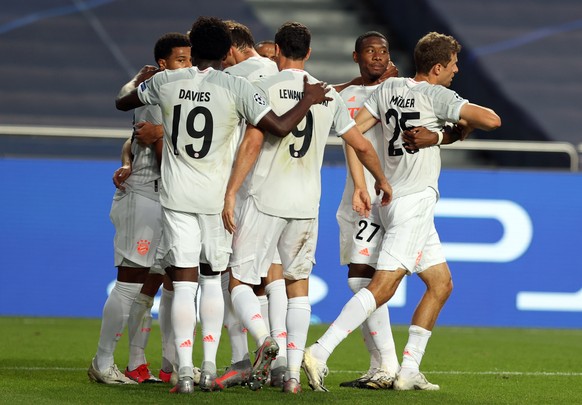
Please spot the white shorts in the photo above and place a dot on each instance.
(189, 239)
(411, 241)
(259, 235)
(138, 229)
(241, 198)
(360, 238)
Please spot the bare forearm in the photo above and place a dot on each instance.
(356, 168)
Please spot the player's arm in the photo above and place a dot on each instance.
(360, 199)
(367, 155)
(121, 174)
(158, 146)
(391, 71)
(365, 120)
(475, 116)
(283, 125)
(127, 99)
(246, 157)
(147, 133)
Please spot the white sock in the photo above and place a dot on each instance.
(379, 329)
(414, 350)
(211, 315)
(264, 303)
(184, 324)
(115, 314)
(139, 326)
(236, 332)
(356, 284)
(353, 314)
(377, 333)
(277, 317)
(246, 306)
(166, 330)
(298, 319)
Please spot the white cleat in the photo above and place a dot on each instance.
(316, 371)
(111, 376)
(416, 382)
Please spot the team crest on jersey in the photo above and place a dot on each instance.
(143, 247)
(259, 99)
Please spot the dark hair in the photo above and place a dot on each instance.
(210, 39)
(293, 39)
(358, 47)
(167, 42)
(240, 35)
(434, 48)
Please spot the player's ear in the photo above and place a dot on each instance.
(162, 64)
(355, 57)
(308, 54)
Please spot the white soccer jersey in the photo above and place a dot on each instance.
(401, 103)
(201, 111)
(286, 179)
(354, 97)
(253, 68)
(145, 172)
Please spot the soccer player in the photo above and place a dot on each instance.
(204, 106)
(267, 49)
(284, 190)
(244, 61)
(411, 243)
(136, 215)
(360, 236)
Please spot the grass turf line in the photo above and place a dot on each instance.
(44, 361)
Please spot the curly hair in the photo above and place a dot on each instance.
(167, 42)
(210, 39)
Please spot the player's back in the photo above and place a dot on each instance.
(201, 111)
(286, 179)
(253, 68)
(402, 103)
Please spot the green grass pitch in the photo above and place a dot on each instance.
(45, 360)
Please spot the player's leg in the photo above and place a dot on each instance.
(253, 249)
(434, 272)
(139, 326)
(277, 313)
(240, 364)
(169, 362)
(216, 249)
(297, 246)
(179, 254)
(132, 254)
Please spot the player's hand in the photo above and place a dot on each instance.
(418, 137)
(391, 71)
(146, 133)
(228, 213)
(361, 202)
(145, 73)
(460, 131)
(386, 189)
(316, 92)
(120, 175)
